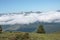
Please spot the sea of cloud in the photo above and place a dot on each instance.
(50, 16)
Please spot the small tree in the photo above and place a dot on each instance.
(0, 29)
(40, 29)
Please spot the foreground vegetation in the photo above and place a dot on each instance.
(28, 36)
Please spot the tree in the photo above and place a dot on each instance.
(40, 29)
(0, 29)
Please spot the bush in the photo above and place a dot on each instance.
(23, 36)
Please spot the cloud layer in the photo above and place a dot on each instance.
(30, 18)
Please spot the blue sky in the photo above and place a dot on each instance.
(10, 6)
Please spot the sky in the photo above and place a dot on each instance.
(14, 6)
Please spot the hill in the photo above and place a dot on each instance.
(28, 36)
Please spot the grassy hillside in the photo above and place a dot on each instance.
(28, 36)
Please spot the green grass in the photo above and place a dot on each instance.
(32, 36)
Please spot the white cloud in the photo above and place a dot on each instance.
(30, 18)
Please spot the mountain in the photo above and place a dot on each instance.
(49, 27)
